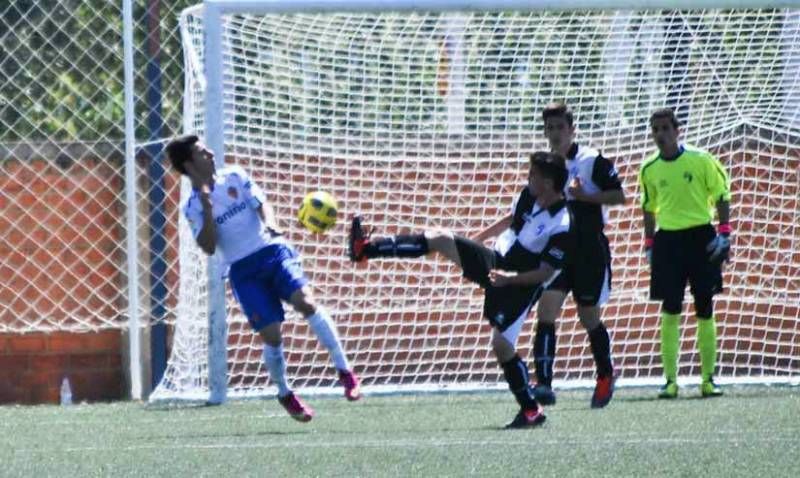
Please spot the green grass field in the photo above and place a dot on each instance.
(752, 431)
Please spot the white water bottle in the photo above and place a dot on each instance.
(66, 392)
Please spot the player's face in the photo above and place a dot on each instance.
(664, 134)
(559, 133)
(536, 182)
(202, 164)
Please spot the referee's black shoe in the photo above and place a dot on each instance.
(527, 419)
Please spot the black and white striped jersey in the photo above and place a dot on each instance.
(596, 174)
(536, 234)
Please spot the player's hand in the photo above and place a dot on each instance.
(719, 249)
(501, 278)
(575, 189)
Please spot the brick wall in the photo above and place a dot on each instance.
(60, 270)
(33, 365)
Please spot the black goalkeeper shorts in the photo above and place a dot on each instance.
(502, 306)
(588, 273)
(680, 256)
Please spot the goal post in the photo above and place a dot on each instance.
(420, 115)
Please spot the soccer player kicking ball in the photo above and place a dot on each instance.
(226, 212)
(526, 257)
(593, 184)
(679, 183)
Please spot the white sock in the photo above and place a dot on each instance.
(323, 326)
(276, 364)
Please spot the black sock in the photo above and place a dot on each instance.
(544, 351)
(601, 349)
(516, 373)
(414, 245)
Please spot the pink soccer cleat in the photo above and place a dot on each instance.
(296, 408)
(351, 384)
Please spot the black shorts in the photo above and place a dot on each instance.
(502, 306)
(680, 256)
(588, 273)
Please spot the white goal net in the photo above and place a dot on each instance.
(425, 119)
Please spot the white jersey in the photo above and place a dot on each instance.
(235, 201)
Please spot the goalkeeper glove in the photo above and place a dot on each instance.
(648, 249)
(720, 247)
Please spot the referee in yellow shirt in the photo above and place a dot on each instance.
(679, 185)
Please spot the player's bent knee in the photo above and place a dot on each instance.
(503, 349)
(303, 302)
(589, 315)
(271, 333)
(549, 306)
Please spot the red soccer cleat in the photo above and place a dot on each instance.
(357, 241)
(296, 408)
(603, 391)
(351, 384)
(528, 419)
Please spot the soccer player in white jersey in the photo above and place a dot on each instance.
(228, 212)
(526, 257)
(593, 185)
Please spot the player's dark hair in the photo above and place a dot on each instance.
(663, 113)
(551, 166)
(179, 150)
(558, 110)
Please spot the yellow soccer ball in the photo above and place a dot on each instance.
(318, 211)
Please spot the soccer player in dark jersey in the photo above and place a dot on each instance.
(593, 185)
(679, 185)
(525, 258)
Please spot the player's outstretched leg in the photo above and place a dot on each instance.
(357, 241)
(361, 247)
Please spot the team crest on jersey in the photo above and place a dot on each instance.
(233, 193)
(687, 176)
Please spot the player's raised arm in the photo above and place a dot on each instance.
(207, 235)
(192, 159)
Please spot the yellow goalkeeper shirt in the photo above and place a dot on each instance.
(682, 192)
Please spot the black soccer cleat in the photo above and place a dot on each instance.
(527, 419)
